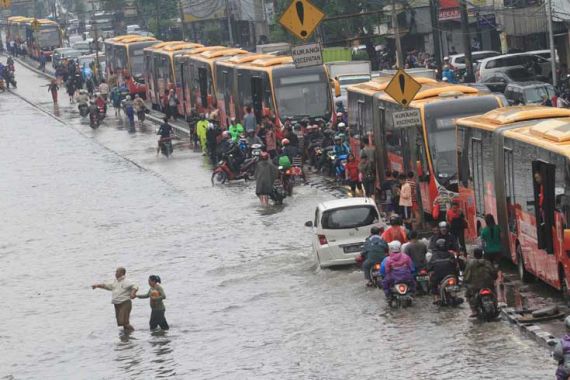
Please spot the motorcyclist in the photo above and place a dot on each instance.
(441, 264)
(230, 150)
(417, 250)
(101, 103)
(93, 112)
(165, 132)
(479, 274)
(339, 106)
(562, 353)
(289, 150)
(129, 111)
(375, 251)
(252, 139)
(443, 233)
(395, 231)
(82, 98)
(399, 268)
(340, 147)
(341, 132)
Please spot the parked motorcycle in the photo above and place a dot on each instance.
(223, 173)
(487, 305)
(401, 296)
(449, 290)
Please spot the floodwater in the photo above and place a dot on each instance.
(244, 298)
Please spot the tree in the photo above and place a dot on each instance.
(167, 10)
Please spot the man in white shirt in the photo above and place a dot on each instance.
(123, 291)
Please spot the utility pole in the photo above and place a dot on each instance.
(182, 21)
(436, 35)
(229, 16)
(157, 18)
(396, 29)
(96, 35)
(469, 76)
(551, 41)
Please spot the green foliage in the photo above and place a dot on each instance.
(167, 9)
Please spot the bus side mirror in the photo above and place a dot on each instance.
(566, 241)
(336, 86)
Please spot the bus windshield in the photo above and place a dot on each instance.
(440, 119)
(49, 38)
(303, 92)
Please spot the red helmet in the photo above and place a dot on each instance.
(285, 142)
(264, 155)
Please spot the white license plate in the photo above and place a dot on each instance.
(422, 278)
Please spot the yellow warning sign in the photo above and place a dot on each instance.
(301, 18)
(402, 88)
(5, 3)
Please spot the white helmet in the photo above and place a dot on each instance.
(395, 246)
(341, 125)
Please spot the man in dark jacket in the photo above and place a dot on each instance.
(374, 252)
(265, 175)
(479, 274)
(450, 240)
(441, 265)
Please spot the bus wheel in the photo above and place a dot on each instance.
(523, 274)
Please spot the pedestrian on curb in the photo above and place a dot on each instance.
(201, 129)
(387, 194)
(249, 120)
(140, 109)
(367, 174)
(122, 291)
(172, 105)
(130, 112)
(561, 353)
(157, 296)
(53, 88)
(352, 175)
(491, 239)
(116, 100)
(265, 175)
(406, 203)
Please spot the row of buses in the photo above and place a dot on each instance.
(219, 79)
(510, 162)
(44, 40)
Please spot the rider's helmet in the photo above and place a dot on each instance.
(225, 135)
(338, 103)
(443, 226)
(337, 138)
(395, 246)
(264, 155)
(128, 97)
(285, 142)
(395, 220)
(374, 231)
(341, 125)
(441, 244)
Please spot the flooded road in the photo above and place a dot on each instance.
(244, 298)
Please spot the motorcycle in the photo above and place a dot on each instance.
(449, 290)
(340, 168)
(422, 279)
(289, 177)
(375, 276)
(166, 146)
(223, 173)
(401, 296)
(487, 306)
(94, 120)
(83, 109)
(278, 194)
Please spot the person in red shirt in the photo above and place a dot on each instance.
(395, 231)
(352, 174)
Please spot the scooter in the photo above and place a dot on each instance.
(487, 305)
(289, 177)
(340, 167)
(166, 146)
(449, 290)
(94, 120)
(375, 276)
(401, 296)
(422, 279)
(222, 172)
(278, 194)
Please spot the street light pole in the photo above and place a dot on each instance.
(182, 21)
(396, 30)
(229, 16)
(469, 76)
(96, 35)
(551, 40)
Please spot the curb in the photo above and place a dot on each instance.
(531, 330)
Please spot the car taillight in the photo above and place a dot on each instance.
(423, 272)
(485, 292)
(377, 266)
(323, 240)
(402, 288)
(452, 282)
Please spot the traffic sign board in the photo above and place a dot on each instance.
(301, 18)
(407, 118)
(307, 55)
(5, 3)
(402, 88)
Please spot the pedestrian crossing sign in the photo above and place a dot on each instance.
(5, 3)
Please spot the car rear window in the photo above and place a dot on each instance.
(520, 74)
(349, 217)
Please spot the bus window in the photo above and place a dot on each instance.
(360, 120)
(257, 96)
(543, 183)
(203, 83)
(121, 57)
(463, 138)
(477, 170)
(488, 165)
(178, 74)
(563, 191)
(523, 182)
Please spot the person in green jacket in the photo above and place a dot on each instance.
(157, 296)
(201, 128)
(235, 129)
(491, 238)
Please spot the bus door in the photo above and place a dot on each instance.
(257, 96)
(149, 77)
(203, 88)
(543, 182)
(187, 104)
(510, 199)
(179, 86)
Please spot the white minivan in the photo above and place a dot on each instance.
(340, 228)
